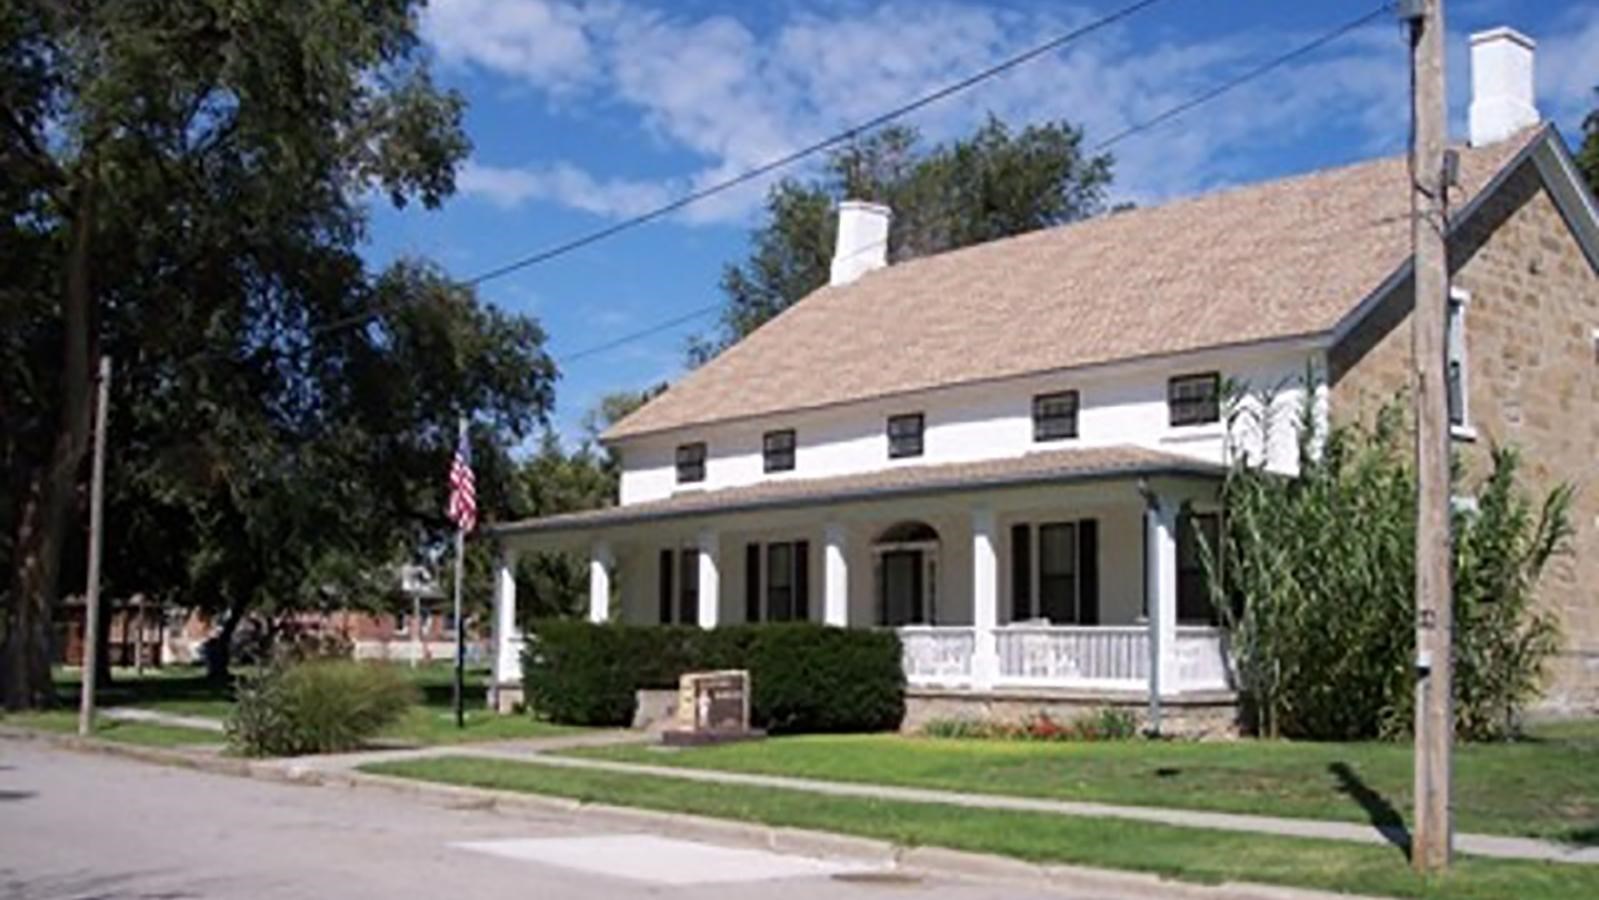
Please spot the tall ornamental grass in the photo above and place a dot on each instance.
(1315, 578)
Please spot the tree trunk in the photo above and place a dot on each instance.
(48, 503)
(219, 658)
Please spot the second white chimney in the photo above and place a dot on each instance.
(1501, 85)
(862, 240)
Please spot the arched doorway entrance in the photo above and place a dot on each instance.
(905, 560)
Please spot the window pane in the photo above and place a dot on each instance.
(691, 462)
(1055, 416)
(905, 435)
(1193, 593)
(1194, 399)
(688, 609)
(778, 450)
(1057, 572)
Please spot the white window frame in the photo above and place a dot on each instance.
(1458, 349)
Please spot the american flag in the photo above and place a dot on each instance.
(463, 487)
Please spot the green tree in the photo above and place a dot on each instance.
(1588, 153)
(556, 480)
(185, 188)
(993, 184)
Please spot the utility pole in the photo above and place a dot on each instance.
(91, 600)
(1432, 833)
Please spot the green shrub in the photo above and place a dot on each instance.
(316, 706)
(804, 677)
(1317, 587)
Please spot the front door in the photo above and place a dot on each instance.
(902, 587)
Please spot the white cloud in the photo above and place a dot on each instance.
(736, 98)
(561, 183)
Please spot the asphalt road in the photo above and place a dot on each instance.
(85, 826)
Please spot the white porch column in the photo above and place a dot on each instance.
(1160, 561)
(835, 576)
(985, 599)
(710, 579)
(507, 638)
(600, 562)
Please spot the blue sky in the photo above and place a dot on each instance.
(583, 113)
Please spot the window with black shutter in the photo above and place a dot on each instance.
(802, 581)
(1193, 588)
(1055, 416)
(777, 448)
(1021, 573)
(667, 585)
(688, 602)
(1194, 399)
(905, 435)
(752, 582)
(691, 463)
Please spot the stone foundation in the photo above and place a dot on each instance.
(1203, 716)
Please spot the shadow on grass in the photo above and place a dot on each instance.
(1384, 817)
(1585, 836)
(125, 691)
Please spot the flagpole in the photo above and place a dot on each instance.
(460, 625)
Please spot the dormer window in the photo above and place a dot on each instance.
(905, 436)
(691, 463)
(1055, 416)
(1194, 399)
(777, 448)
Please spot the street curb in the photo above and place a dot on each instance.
(909, 860)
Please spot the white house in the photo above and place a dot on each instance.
(1006, 452)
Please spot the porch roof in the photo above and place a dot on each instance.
(1053, 466)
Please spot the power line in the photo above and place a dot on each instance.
(641, 334)
(1161, 118)
(810, 149)
(1244, 78)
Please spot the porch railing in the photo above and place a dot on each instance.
(1063, 656)
(1073, 656)
(1202, 659)
(938, 655)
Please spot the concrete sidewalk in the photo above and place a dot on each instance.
(538, 752)
(156, 717)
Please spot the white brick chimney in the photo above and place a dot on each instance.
(862, 240)
(1501, 85)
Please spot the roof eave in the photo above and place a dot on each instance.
(1173, 468)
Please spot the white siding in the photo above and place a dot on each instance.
(1118, 405)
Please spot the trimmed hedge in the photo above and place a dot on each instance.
(803, 677)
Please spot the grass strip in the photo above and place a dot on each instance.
(144, 734)
(1186, 853)
(1545, 786)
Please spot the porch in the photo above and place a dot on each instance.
(1069, 571)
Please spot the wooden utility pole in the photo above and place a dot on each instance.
(1432, 832)
(91, 599)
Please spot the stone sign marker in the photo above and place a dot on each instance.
(712, 707)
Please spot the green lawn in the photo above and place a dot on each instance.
(186, 691)
(66, 722)
(1546, 786)
(1194, 854)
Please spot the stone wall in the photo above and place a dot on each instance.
(1533, 382)
(1199, 716)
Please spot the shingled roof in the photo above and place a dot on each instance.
(1279, 259)
(1053, 466)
